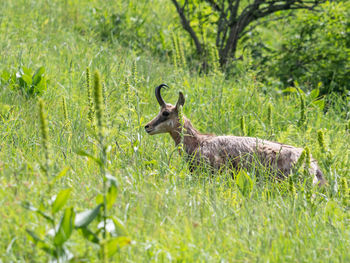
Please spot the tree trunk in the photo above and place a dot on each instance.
(233, 23)
(229, 50)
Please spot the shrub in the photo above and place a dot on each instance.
(316, 51)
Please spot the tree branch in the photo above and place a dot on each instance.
(233, 19)
(186, 25)
(252, 12)
(262, 23)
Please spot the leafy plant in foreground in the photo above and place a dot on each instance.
(54, 241)
(110, 234)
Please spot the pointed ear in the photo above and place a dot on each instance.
(180, 101)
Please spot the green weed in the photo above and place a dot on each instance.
(157, 211)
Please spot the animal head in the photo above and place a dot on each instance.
(167, 119)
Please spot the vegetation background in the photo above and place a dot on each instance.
(74, 189)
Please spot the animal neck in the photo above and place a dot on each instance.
(191, 137)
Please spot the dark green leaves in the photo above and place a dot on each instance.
(83, 219)
(111, 195)
(60, 234)
(27, 81)
(314, 51)
(89, 235)
(65, 227)
(38, 75)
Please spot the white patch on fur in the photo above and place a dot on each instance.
(163, 127)
(171, 123)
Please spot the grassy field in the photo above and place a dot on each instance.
(169, 214)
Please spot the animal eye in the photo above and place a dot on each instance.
(165, 113)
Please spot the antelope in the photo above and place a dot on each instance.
(234, 152)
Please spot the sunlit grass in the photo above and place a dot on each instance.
(170, 214)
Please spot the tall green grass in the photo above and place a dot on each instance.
(170, 214)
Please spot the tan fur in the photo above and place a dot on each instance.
(229, 151)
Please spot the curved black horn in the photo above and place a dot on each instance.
(159, 96)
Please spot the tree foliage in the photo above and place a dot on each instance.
(316, 50)
(224, 22)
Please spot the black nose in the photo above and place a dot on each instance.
(146, 127)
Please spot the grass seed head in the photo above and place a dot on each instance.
(302, 118)
(65, 111)
(134, 73)
(243, 127)
(98, 98)
(344, 189)
(181, 53)
(214, 55)
(291, 185)
(321, 142)
(44, 132)
(300, 161)
(176, 52)
(43, 121)
(307, 158)
(91, 112)
(87, 78)
(269, 114)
